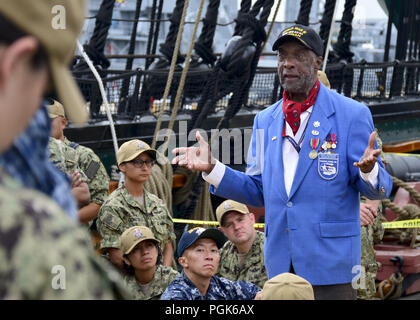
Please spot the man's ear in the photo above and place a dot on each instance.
(252, 217)
(183, 261)
(64, 122)
(21, 50)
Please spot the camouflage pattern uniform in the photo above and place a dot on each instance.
(161, 280)
(252, 269)
(65, 158)
(121, 211)
(368, 236)
(219, 289)
(98, 179)
(36, 237)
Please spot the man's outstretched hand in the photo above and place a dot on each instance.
(195, 158)
(370, 157)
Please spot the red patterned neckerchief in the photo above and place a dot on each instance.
(293, 109)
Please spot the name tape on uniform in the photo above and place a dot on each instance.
(413, 223)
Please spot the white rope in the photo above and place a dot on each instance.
(104, 98)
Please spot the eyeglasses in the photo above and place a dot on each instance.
(140, 163)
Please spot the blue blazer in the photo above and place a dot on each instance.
(316, 227)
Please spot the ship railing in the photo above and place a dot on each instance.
(375, 81)
(138, 92)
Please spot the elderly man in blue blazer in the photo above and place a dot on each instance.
(311, 155)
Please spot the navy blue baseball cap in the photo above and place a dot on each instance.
(189, 237)
(305, 35)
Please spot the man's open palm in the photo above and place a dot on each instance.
(370, 156)
(195, 158)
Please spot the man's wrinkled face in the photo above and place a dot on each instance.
(297, 67)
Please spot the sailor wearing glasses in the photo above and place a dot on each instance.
(131, 205)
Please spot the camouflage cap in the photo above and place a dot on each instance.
(132, 149)
(56, 24)
(56, 109)
(133, 236)
(230, 205)
(287, 286)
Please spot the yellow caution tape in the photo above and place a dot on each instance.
(213, 223)
(413, 223)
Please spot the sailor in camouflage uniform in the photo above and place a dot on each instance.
(146, 277)
(96, 176)
(199, 256)
(242, 257)
(371, 232)
(43, 254)
(65, 159)
(131, 205)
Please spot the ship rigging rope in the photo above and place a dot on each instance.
(413, 193)
(204, 210)
(167, 47)
(271, 25)
(409, 211)
(171, 71)
(327, 45)
(252, 31)
(181, 84)
(103, 94)
(342, 46)
(184, 75)
(203, 46)
(304, 12)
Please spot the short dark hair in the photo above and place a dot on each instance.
(9, 33)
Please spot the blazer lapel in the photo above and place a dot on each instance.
(319, 115)
(275, 130)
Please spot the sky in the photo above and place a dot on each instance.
(367, 9)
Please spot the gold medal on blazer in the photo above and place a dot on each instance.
(314, 142)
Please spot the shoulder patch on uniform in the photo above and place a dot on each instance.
(92, 169)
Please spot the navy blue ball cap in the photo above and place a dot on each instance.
(306, 35)
(189, 237)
